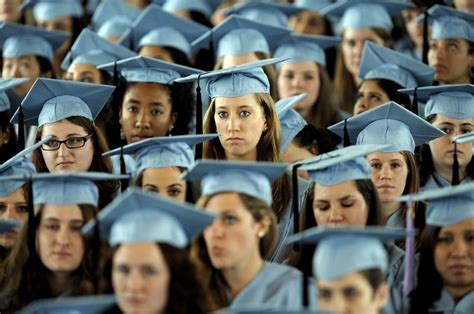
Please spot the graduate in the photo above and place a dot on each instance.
(310, 21)
(151, 268)
(199, 11)
(232, 249)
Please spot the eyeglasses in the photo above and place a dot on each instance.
(71, 143)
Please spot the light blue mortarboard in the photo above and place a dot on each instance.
(110, 9)
(464, 138)
(382, 63)
(69, 188)
(18, 40)
(149, 70)
(89, 48)
(389, 124)
(275, 14)
(237, 35)
(449, 23)
(359, 14)
(116, 26)
(137, 217)
(71, 305)
(249, 178)
(342, 251)
(156, 27)
(175, 6)
(446, 206)
(163, 151)
(299, 48)
(291, 122)
(7, 225)
(313, 5)
(44, 10)
(6, 84)
(454, 100)
(52, 100)
(341, 165)
(237, 81)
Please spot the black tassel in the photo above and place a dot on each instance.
(414, 106)
(198, 118)
(31, 234)
(305, 291)
(123, 171)
(21, 129)
(96, 254)
(295, 205)
(425, 38)
(455, 179)
(347, 141)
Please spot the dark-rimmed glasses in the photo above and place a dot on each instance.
(71, 143)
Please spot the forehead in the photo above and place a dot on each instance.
(148, 252)
(62, 127)
(62, 212)
(361, 34)
(336, 191)
(371, 85)
(225, 201)
(147, 90)
(385, 156)
(445, 119)
(78, 68)
(162, 175)
(246, 100)
(303, 66)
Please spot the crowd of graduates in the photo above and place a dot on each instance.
(195, 156)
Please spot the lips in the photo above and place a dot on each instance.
(140, 137)
(234, 140)
(439, 67)
(460, 268)
(65, 163)
(62, 254)
(217, 250)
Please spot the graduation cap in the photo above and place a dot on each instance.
(51, 100)
(446, 206)
(90, 48)
(271, 13)
(249, 178)
(237, 35)
(312, 5)
(176, 6)
(163, 151)
(382, 63)
(7, 225)
(6, 84)
(389, 124)
(149, 70)
(44, 10)
(299, 48)
(69, 188)
(111, 9)
(449, 23)
(17, 40)
(156, 27)
(291, 122)
(136, 217)
(115, 27)
(342, 251)
(358, 14)
(77, 305)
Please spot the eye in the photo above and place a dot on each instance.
(223, 115)
(376, 165)
(433, 45)
(347, 203)
(132, 108)
(396, 165)
(322, 206)
(465, 131)
(22, 209)
(351, 293)
(244, 114)
(324, 294)
(444, 239)
(156, 112)
(288, 75)
(229, 220)
(74, 141)
(309, 77)
(148, 271)
(123, 269)
(349, 42)
(452, 47)
(175, 192)
(151, 189)
(447, 130)
(469, 237)
(374, 98)
(87, 80)
(52, 226)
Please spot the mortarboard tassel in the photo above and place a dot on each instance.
(123, 171)
(96, 255)
(408, 276)
(198, 118)
(414, 105)
(346, 141)
(455, 178)
(295, 205)
(21, 129)
(425, 38)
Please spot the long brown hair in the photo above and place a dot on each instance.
(213, 278)
(268, 147)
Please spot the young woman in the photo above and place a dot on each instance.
(232, 249)
(198, 11)
(151, 268)
(411, 44)
(361, 22)
(447, 253)
(451, 51)
(310, 21)
(383, 72)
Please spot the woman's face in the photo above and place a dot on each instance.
(59, 242)
(370, 95)
(294, 154)
(26, 66)
(451, 60)
(10, 11)
(351, 294)
(140, 278)
(308, 22)
(146, 111)
(298, 78)
(353, 45)
(87, 73)
(61, 24)
(339, 205)
(241, 121)
(464, 5)
(442, 149)
(66, 159)
(389, 174)
(454, 255)
(233, 60)
(233, 238)
(414, 29)
(165, 181)
(13, 207)
(156, 52)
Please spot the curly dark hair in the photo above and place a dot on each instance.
(8, 149)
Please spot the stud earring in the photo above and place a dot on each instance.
(261, 234)
(170, 129)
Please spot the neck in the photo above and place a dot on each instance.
(461, 80)
(250, 156)
(357, 79)
(60, 282)
(388, 209)
(457, 293)
(447, 172)
(238, 277)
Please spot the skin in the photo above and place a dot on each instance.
(414, 29)
(241, 121)
(454, 257)
(140, 278)
(451, 60)
(351, 293)
(13, 207)
(166, 182)
(308, 22)
(339, 205)
(87, 73)
(464, 5)
(156, 52)
(298, 78)
(233, 240)
(9, 10)
(25, 66)
(59, 242)
(146, 111)
(233, 60)
(370, 95)
(65, 159)
(353, 45)
(4, 136)
(294, 153)
(442, 148)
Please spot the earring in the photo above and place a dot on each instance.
(261, 234)
(170, 129)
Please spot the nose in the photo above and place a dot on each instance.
(63, 236)
(335, 215)
(385, 173)
(215, 230)
(233, 123)
(143, 120)
(460, 248)
(63, 151)
(134, 281)
(15, 71)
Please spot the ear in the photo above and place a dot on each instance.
(381, 296)
(314, 148)
(263, 226)
(5, 136)
(173, 118)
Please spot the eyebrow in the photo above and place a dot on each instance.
(239, 107)
(54, 219)
(452, 124)
(175, 184)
